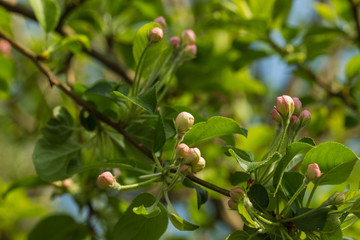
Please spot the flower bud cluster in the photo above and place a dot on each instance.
(290, 108)
(191, 159)
(236, 194)
(186, 41)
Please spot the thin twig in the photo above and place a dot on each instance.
(53, 81)
(110, 63)
(355, 13)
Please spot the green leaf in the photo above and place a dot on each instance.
(245, 214)
(239, 177)
(159, 135)
(181, 224)
(312, 222)
(148, 212)
(353, 68)
(291, 151)
(53, 161)
(292, 182)
(213, 127)
(202, 194)
(351, 195)
(247, 156)
(308, 140)
(258, 197)
(336, 235)
(146, 100)
(88, 120)
(137, 227)
(238, 235)
(251, 166)
(25, 182)
(335, 161)
(75, 43)
(58, 227)
(356, 208)
(325, 11)
(47, 13)
(60, 127)
(332, 225)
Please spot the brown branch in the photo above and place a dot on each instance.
(355, 14)
(110, 63)
(115, 125)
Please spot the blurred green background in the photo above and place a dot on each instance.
(249, 52)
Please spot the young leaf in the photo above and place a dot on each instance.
(239, 177)
(58, 227)
(247, 156)
(47, 12)
(88, 120)
(202, 194)
(52, 161)
(60, 127)
(214, 127)
(258, 197)
(335, 161)
(148, 212)
(245, 214)
(238, 235)
(291, 151)
(292, 182)
(137, 227)
(312, 222)
(351, 195)
(159, 135)
(355, 209)
(25, 182)
(251, 166)
(353, 68)
(181, 224)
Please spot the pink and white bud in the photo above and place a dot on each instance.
(184, 122)
(305, 118)
(185, 170)
(175, 41)
(200, 165)
(232, 205)
(181, 150)
(190, 50)
(276, 115)
(106, 179)
(192, 156)
(313, 172)
(156, 34)
(161, 20)
(339, 199)
(297, 105)
(67, 183)
(237, 193)
(188, 37)
(5, 47)
(285, 105)
(294, 121)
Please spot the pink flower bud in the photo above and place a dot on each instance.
(285, 105)
(313, 172)
(294, 121)
(184, 122)
(188, 37)
(175, 41)
(297, 105)
(237, 193)
(192, 156)
(200, 165)
(105, 180)
(67, 183)
(305, 118)
(5, 47)
(186, 170)
(232, 205)
(161, 20)
(181, 150)
(190, 50)
(339, 199)
(276, 115)
(156, 34)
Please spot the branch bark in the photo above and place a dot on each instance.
(53, 81)
(110, 63)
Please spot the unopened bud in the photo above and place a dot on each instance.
(161, 20)
(106, 179)
(276, 115)
(67, 183)
(232, 204)
(294, 121)
(188, 37)
(175, 41)
(297, 105)
(305, 118)
(181, 150)
(156, 34)
(190, 50)
(184, 122)
(186, 170)
(313, 172)
(5, 47)
(200, 165)
(339, 199)
(285, 105)
(237, 193)
(192, 156)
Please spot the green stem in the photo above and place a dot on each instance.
(109, 165)
(137, 185)
(157, 162)
(311, 195)
(283, 134)
(303, 185)
(138, 71)
(300, 216)
(151, 175)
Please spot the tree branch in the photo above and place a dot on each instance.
(53, 81)
(355, 13)
(108, 62)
